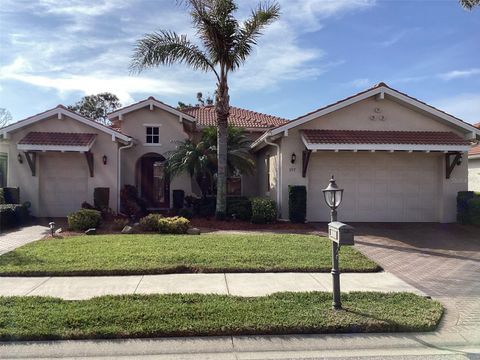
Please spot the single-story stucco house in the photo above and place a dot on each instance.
(474, 167)
(398, 159)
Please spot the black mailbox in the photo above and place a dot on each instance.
(341, 233)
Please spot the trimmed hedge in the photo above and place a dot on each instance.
(264, 210)
(297, 203)
(150, 222)
(468, 210)
(173, 225)
(12, 215)
(240, 207)
(84, 219)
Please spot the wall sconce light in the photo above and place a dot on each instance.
(293, 158)
(104, 159)
(19, 158)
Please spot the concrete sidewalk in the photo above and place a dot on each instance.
(240, 284)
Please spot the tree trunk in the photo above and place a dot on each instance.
(222, 108)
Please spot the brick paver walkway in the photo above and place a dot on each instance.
(12, 239)
(442, 260)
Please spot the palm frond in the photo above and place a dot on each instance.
(252, 28)
(469, 4)
(167, 48)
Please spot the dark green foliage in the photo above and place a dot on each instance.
(297, 203)
(173, 225)
(186, 213)
(264, 210)
(130, 202)
(2, 197)
(11, 195)
(84, 219)
(150, 222)
(96, 107)
(135, 316)
(101, 198)
(240, 207)
(474, 210)
(178, 199)
(203, 207)
(465, 214)
(158, 254)
(13, 215)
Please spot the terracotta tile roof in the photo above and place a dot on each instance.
(57, 139)
(382, 137)
(474, 151)
(206, 116)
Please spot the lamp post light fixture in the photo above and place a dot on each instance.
(104, 159)
(19, 158)
(293, 158)
(52, 227)
(333, 197)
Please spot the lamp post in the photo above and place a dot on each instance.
(333, 197)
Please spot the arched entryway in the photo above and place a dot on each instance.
(153, 180)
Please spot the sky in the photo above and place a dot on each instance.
(54, 52)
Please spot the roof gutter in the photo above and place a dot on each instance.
(279, 176)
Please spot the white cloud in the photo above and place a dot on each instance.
(457, 74)
(360, 83)
(464, 106)
(82, 7)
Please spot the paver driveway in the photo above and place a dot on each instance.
(442, 260)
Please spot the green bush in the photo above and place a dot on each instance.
(264, 210)
(84, 219)
(12, 215)
(297, 203)
(11, 195)
(203, 207)
(474, 210)
(462, 206)
(101, 198)
(150, 222)
(240, 207)
(130, 203)
(186, 213)
(173, 225)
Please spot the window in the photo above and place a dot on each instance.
(153, 135)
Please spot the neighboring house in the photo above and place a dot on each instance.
(474, 167)
(398, 159)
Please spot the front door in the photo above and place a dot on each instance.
(155, 185)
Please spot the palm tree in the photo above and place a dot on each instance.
(226, 44)
(199, 159)
(469, 4)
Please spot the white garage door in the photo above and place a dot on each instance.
(379, 187)
(63, 183)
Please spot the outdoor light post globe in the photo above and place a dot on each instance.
(333, 197)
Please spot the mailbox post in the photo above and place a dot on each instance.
(339, 233)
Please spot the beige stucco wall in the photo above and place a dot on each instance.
(474, 174)
(357, 117)
(171, 130)
(21, 176)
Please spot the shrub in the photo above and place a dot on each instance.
(186, 213)
(131, 204)
(150, 222)
(263, 210)
(462, 206)
(240, 207)
(101, 198)
(84, 219)
(119, 223)
(204, 207)
(297, 203)
(178, 198)
(12, 215)
(474, 210)
(11, 195)
(173, 225)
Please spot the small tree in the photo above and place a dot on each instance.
(96, 107)
(5, 117)
(469, 4)
(226, 45)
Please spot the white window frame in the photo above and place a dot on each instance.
(152, 126)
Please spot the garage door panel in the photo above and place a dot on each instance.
(63, 183)
(389, 187)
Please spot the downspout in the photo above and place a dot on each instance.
(279, 176)
(119, 171)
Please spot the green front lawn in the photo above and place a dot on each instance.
(41, 318)
(157, 254)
